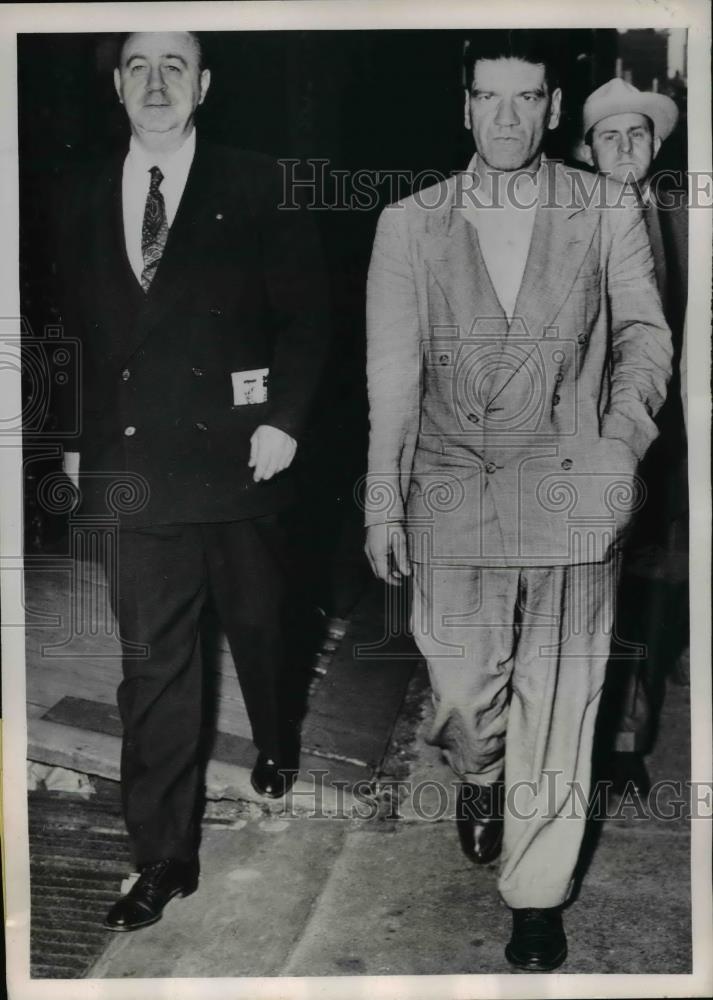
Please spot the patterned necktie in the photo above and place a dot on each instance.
(154, 231)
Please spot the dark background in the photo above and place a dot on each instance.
(364, 100)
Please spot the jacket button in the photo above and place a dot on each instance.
(201, 426)
(490, 467)
(126, 375)
(567, 463)
(129, 431)
(198, 371)
(214, 311)
(474, 418)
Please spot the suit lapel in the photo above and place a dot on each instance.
(455, 260)
(562, 233)
(180, 249)
(188, 237)
(116, 277)
(561, 236)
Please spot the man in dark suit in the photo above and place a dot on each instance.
(200, 307)
(623, 132)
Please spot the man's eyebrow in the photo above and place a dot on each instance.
(167, 55)
(539, 91)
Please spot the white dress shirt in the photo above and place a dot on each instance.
(135, 187)
(504, 225)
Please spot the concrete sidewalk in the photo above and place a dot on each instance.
(302, 895)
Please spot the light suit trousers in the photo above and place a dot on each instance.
(517, 659)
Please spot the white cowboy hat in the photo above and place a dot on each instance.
(618, 97)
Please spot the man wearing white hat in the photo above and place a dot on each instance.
(623, 131)
(624, 128)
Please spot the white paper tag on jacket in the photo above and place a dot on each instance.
(250, 387)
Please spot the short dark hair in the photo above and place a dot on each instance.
(123, 38)
(534, 46)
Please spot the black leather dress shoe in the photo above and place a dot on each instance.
(538, 942)
(271, 778)
(628, 773)
(479, 821)
(158, 883)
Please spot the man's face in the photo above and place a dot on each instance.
(160, 82)
(623, 146)
(508, 111)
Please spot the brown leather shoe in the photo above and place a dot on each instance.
(158, 883)
(479, 821)
(538, 942)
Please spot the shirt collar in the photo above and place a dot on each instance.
(180, 160)
(526, 178)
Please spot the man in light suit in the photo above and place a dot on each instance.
(623, 131)
(517, 353)
(200, 307)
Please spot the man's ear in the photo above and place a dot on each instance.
(117, 85)
(657, 145)
(583, 152)
(555, 108)
(466, 111)
(204, 84)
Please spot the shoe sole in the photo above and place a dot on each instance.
(534, 966)
(124, 929)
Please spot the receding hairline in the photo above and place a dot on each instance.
(191, 35)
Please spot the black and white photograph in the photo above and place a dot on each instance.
(356, 518)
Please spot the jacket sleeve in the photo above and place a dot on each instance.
(297, 295)
(641, 349)
(393, 369)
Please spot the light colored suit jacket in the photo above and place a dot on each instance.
(513, 443)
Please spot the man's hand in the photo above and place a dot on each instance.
(387, 552)
(271, 451)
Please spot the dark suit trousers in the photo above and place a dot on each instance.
(162, 580)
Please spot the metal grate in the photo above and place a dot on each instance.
(79, 854)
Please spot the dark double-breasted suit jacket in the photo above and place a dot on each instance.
(239, 289)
